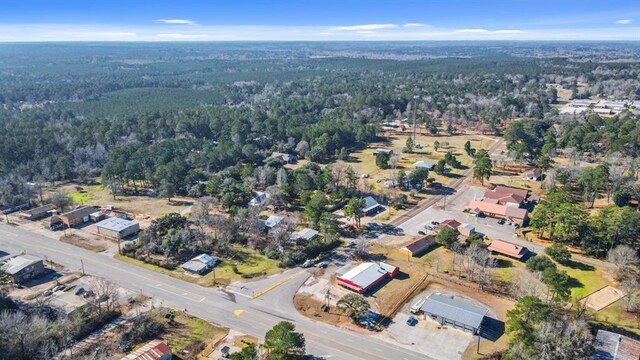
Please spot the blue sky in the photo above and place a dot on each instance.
(188, 20)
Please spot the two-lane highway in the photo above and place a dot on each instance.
(215, 305)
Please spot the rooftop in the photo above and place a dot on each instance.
(508, 248)
(502, 210)
(79, 212)
(68, 302)
(420, 245)
(273, 220)
(364, 274)
(423, 164)
(16, 264)
(115, 224)
(450, 308)
(370, 203)
(305, 233)
(610, 346)
(153, 350)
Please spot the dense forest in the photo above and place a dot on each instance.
(178, 113)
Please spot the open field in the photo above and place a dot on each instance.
(249, 264)
(363, 161)
(142, 208)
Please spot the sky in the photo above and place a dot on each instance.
(317, 20)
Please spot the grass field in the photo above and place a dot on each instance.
(249, 263)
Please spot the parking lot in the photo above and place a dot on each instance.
(427, 336)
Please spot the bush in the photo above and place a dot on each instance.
(540, 263)
(559, 253)
(145, 327)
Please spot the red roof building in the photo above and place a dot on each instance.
(364, 276)
(453, 224)
(153, 350)
(508, 249)
(419, 246)
(510, 213)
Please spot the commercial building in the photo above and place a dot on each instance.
(498, 211)
(23, 268)
(69, 303)
(419, 246)
(613, 346)
(77, 216)
(200, 264)
(153, 350)
(508, 249)
(117, 227)
(453, 312)
(366, 275)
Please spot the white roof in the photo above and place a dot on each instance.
(364, 274)
(259, 198)
(423, 164)
(206, 259)
(16, 264)
(116, 224)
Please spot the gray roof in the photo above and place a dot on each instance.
(305, 233)
(459, 311)
(79, 212)
(16, 264)
(370, 203)
(194, 266)
(206, 259)
(610, 346)
(116, 224)
(273, 220)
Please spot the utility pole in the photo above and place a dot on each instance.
(415, 105)
(82, 264)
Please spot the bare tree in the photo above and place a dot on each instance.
(563, 339)
(61, 201)
(622, 257)
(105, 295)
(630, 288)
(527, 283)
(362, 248)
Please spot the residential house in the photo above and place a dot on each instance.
(153, 350)
(508, 249)
(273, 220)
(286, 158)
(305, 234)
(419, 246)
(259, 198)
(200, 264)
(371, 206)
(382, 151)
(423, 165)
(450, 223)
(38, 213)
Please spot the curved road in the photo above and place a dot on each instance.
(253, 317)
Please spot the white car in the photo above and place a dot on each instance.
(307, 264)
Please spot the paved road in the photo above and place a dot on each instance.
(253, 317)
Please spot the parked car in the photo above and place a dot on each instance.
(500, 221)
(412, 321)
(434, 223)
(307, 263)
(59, 287)
(79, 291)
(323, 265)
(47, 293)
(421, 232)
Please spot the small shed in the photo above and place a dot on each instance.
(466, 229)
(117, 228)
(459, 314)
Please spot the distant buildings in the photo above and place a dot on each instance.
(458, 314)
(23, 268)
(153, 350)
(286, 158)
(366, 275)
(117, 228)
(273, 221)
(259, 198)
(382, 151)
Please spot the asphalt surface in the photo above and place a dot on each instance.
(234, 310)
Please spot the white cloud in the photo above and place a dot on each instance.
(115, 34)
(488, 32)
(365, 32)
(623, 22)
(366, 27)
(180, 36)
(415, 25)
(471, 31)
(177, 21)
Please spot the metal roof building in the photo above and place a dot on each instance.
(200, 264)
(153, 350)
(423, 164)
(117, 227)
(453, 312)
(364, 276)
(23, 268)
(610, 346)
(304, 234)
(370, 205)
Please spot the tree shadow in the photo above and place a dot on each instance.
(504, 263)
(580, 266)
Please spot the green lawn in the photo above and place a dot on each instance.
(249, 263)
